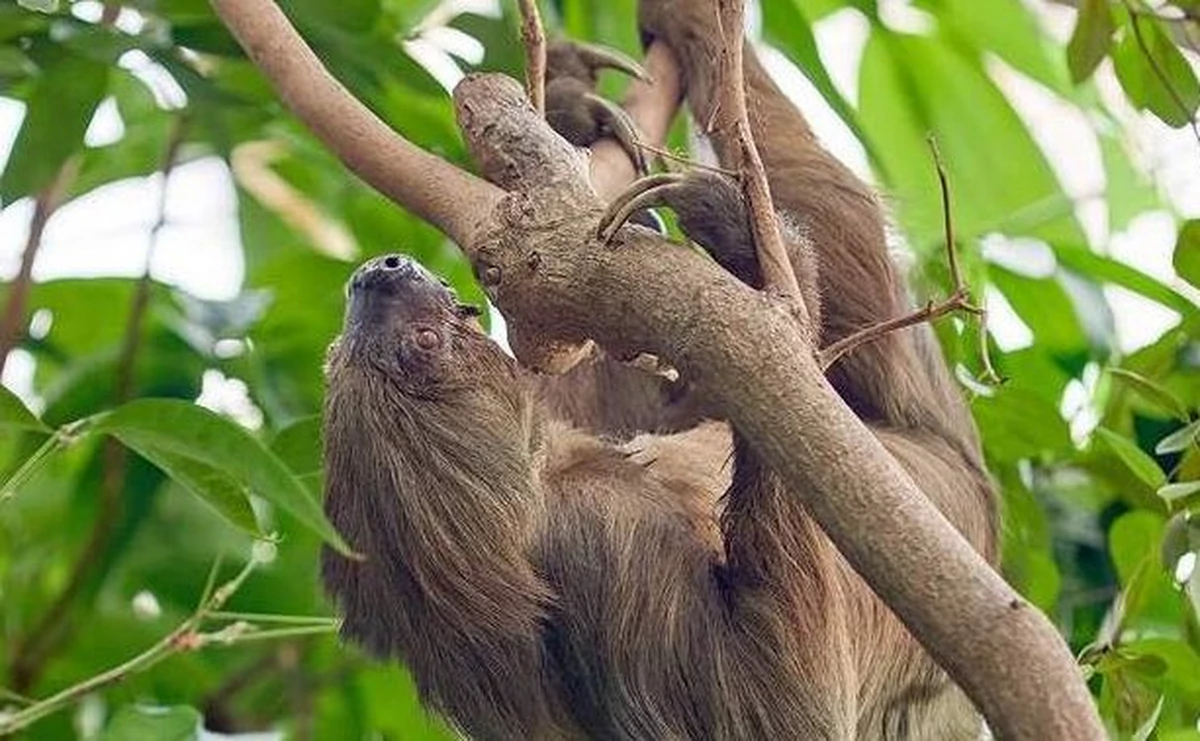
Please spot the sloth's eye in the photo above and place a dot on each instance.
(427, 339)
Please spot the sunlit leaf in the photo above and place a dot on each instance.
(181, 429)
(1152, 392)
(1180, 440)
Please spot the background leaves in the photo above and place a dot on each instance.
(124, 490)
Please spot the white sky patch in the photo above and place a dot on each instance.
(1006, 327)
(106, 126)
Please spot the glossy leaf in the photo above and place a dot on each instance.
(1154, 73)
(1187, 252)
(142, 723)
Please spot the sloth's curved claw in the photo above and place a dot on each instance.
(616, 122)
(653, 190)
(582, 60)
(602, 57)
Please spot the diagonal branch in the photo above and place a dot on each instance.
(451, 199)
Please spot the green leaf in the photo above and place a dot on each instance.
(1004, 421)
(1175, 493)
(181, 429)
(911, 86)
(14, 415)
(225, 495)
(145, 723)
(1187, 252)
(1154, 74)
(60, 109)
(1151, 392)
(1141, 464)
(1179, 440)
(1146, 729)
(1092, 38)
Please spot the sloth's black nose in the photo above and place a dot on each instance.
(389, 273)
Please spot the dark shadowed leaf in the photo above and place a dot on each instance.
(59, 111)
(1154, 74)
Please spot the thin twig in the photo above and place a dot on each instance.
(183, 638)
(777, 273)
(667, 154)
(958, 300)
(45, 637)
(534, 39)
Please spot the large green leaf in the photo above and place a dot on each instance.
(788, 28)
(911, 86)
(1138, 462)
(178, 429)
(59, 111)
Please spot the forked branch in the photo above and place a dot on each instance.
(959, 299)
(435, 190)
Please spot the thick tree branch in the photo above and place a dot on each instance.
(433, 189)
(541, 263)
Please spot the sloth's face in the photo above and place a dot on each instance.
(404, 323)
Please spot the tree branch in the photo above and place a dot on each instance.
(534, 39)
(732, 116)
(554, 281)
(435, 190)
(12, 322)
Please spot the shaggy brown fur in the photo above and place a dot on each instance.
(541, 581)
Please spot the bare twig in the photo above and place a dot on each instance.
(958, 300)
(777, 273)
(683, 159)
(12, 322)
(187, 636)
(435, 190)
(534, 39)
(47, 635)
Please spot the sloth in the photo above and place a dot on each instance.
(548, 568)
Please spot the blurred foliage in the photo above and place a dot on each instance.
(121, 492)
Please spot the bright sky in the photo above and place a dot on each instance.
(106, 233)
